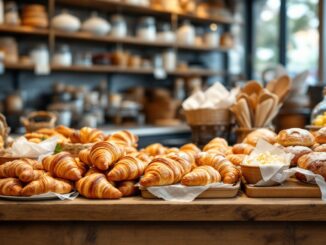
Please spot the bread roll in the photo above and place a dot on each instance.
(295, 136)
(261, 133)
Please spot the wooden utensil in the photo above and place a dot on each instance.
(252, 87)
(282, 87)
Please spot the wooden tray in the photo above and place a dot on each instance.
(291, 188)
(211, 193)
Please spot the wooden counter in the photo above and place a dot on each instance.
(139, 221)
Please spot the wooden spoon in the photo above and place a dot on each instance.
(282, 87)
(252, 87)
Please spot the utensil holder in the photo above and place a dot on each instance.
(39, 119)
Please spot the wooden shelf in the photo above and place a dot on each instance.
(107, 5)
(23, 30)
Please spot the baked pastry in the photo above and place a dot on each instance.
(63, 130)
(34, 163)
(236, 159)
(297, 152)
(191, 150)
(230, 174)
(96, 186)
(64, 165)
(166, 170)
(87, 135)
(17, 168)
(129, 167)
(320, 148)
(155, 149)
(218, 146)
(320, 136)
(262, 133)
(242, 148)
(315, 162)
(295, 136)
(202, 175)
(104, 154)
(84, 156)
(47, 184)
(10, 187)
(128, 188)
(124, 138)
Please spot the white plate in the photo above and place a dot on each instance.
(41, 197)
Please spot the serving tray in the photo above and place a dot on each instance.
(290, 188)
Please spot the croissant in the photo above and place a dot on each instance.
(218, 146)
(17, 168)
(129, 167)
(104, 154)
(166, 170)
(242, 148)
(191, 150)
(63, 130)
(230, 174)
(10, 187)
(47, 184)
(64, 165)
(35, 164)
(202, 175)
(96, 185)
(124, 138)
(128, 188)
(84, 156)
(236, 159)
(87, 135)
(155, 149)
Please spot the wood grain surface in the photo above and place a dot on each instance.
(240, 208)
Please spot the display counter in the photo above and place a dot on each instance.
(139, 221)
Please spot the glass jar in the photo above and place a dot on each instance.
(11, 14)
(119, 26)
(147, 29)
(212, 37)
(166, 34)
(186, 34)
(63, 56)
(40, 55)
(169, 60)
(318, 115)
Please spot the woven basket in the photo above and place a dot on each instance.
(208, 117)
(75, 148)
(39, 119)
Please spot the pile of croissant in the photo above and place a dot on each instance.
(110, 168)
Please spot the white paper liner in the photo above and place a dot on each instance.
(181, 193)
(24, 148)
(44, 196)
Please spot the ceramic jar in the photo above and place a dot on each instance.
(96, 25)
(66, 22)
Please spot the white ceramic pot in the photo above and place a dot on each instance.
(66, 22)
(96, 25)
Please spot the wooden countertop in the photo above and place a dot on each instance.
(240, 208)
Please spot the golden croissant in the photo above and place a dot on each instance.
(166, 170)
(242, 148)
(218, 146)
(63, 130)
(124, 138)
(236, 159)
(202, 175)
(191, 150)
(47, 184)
(87, 135)
(97, 186)
(17, 168)
(84, 156)
(64, 165)
(129, 167)
(10, 187)
(230, 174)
(155, 149)
(128, 188)
(104, 154)
(34, 163)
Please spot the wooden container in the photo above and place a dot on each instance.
(39, 119)
(251, 174)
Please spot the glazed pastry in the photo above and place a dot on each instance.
(129, 167)
(230, 174)
(242, 148)
(10, 187)
(320, 136)
(315, 162)
(261, 133)
(124, 138)
(104, 154)
(297, 152)
(218, 146)
(155, 150)
(96, 186)
(236, 159)
(202, 175)
(166, 170)
(47, 184)
(87, 135)
(84, 156)
(320, 148)
(128, 188)
(295, 136)
(192, 151)
(63, 130)
(64, 165)
(17, 168)
(34, 163)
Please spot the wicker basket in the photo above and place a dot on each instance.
(4, 130)
(75, 148)
(39, 119)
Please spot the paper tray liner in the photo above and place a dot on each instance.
(291, 188)
(211, 193)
